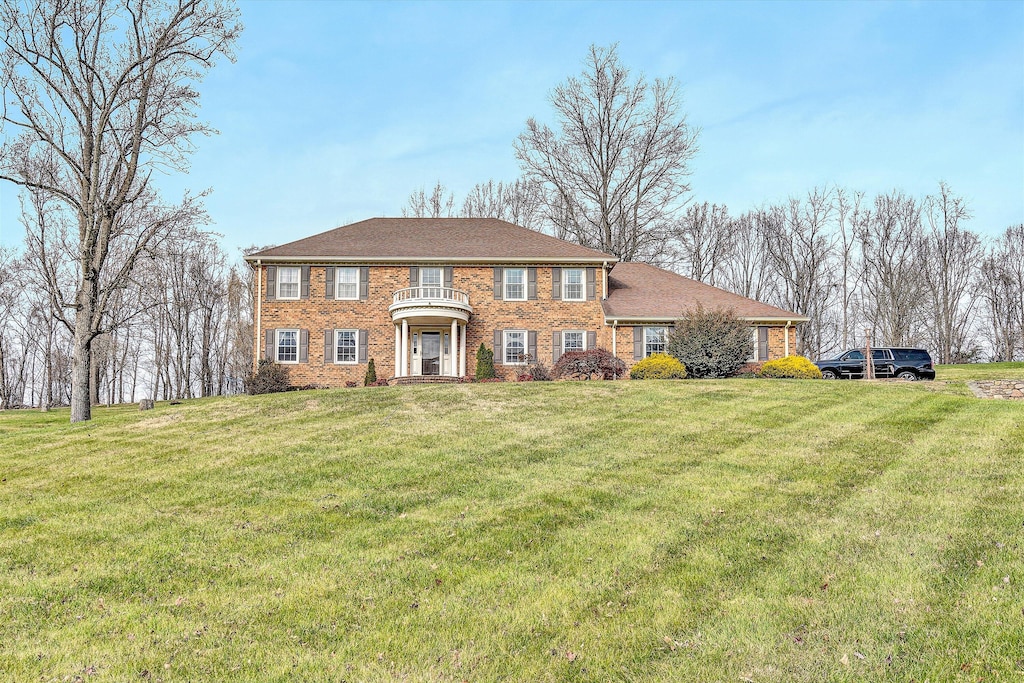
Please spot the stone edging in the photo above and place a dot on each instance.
(998, 388)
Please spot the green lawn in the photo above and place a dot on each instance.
(980, 371)
(742, 530)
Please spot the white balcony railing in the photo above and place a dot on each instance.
(430, 295)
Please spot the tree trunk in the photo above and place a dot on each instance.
(81, 369)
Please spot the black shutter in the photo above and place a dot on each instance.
(556, 283)
(591, 284)
(591, 340)
(303, 346)
(448, 277)
(531, 344)
(305, 283)
(638, 342)
(328, 346)
(268, 345)
(271, 283)
(556, 345)
(329, 282)
(499, 347)
(531, 283)
(498, 273)
(364, 283)
(363, 342)
(414, 276)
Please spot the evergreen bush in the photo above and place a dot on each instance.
(711, 343)
(371, 375)
(484, 363)
(790, 367)
(269, 378)
(658, 366)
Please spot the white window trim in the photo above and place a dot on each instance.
(665, 341)
(298, 283)
(337, 281)
(504, 346)
(505, 283)
(753, 358)
(277, 346)
(355, 333)
(583, 336)
(583, 286)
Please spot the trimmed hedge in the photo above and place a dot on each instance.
(790, 367)
(658, 366)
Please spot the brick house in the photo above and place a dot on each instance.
(420, 295)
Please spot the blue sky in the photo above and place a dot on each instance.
(335, 112)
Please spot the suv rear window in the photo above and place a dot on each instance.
(911, 354)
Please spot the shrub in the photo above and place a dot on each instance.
(535, 371)
(371, 374)
(484, 363)
(589, 364)
(269, 378)
(380, 383)
(793, 367)
(658, 366)
(711, 343)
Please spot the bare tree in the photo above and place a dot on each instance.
(1000, 287)
(520, 202)
(894, 291)
(615, 172)
(949, 261)
(704, 241)
(850, 219)
(800, 249)
(98, 95)
(747, 270)
(439, 203)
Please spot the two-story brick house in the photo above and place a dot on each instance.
(420, 295)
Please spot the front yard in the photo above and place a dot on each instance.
(743, 530)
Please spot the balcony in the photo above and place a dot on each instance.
(429, 304)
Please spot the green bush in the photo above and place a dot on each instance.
(269, 378)
(791, 367)
(711, 343)
(371, 375)
(658, 366)
(484, 363)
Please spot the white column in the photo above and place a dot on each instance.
(453, 371)
(405, 348)
(462, 352)
(398, 350)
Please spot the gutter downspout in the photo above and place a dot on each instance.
(615, 334)
(789, 323)
(259, 313)
(604, 278)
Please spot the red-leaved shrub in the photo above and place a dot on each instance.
(589, 364)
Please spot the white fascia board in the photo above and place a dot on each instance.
(630, 320)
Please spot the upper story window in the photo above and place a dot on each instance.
(346, 283)
(288, 279)
(572, 284)
(515, 284)
(654, 340)
(431, 277)
(288, 346)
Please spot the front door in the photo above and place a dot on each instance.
(431, 353)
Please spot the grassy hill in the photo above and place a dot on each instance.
(735, 531)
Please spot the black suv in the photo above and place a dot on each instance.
(908, 364)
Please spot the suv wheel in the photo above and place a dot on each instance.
(907, 375)
(829, 374)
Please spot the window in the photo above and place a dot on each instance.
(346, 283)
(654, 340)
(572, 284)
(573, 340)
(515, 346)
(753, 358)
(288, 283)
(288, 346)
(431, 280)
(853, 355)
(345, 342)
(515, 284)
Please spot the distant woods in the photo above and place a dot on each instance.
(611, 172)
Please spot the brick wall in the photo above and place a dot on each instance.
(543, 315)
